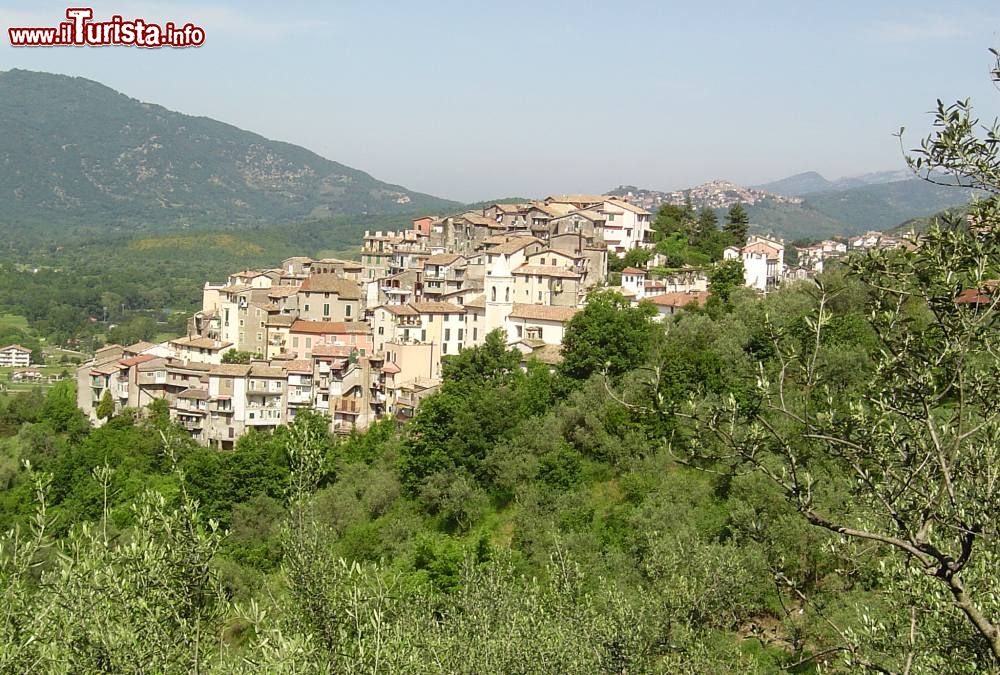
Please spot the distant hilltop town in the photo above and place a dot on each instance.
(717, 194)
(362, 340)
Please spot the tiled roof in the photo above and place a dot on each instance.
(140, 347)
(443, 259)
(547, 271)
(230, 370)
(280, 320)
(514, 245)
(282, 291)
(437, 308)
(331, 283)
(196, 394)
(299, 366)
(629, 207)
(330, 327)
(330, 350)
(399, 310)
(577, 199)
(200, 343)
(478, 302)
(261, 370)
(17, 348)
(633, 270)
(542, 312)
(136, 360)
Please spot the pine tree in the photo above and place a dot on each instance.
(737, 222)
(106, 407)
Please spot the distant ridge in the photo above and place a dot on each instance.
(74, 152)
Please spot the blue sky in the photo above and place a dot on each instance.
(475, 100)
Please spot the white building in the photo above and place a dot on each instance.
(763, 261)
(15, 356)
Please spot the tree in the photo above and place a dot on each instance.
(724, 278)
(106, 406)
(737, 222)
(233, 356)
(921, 444)
(608, 335)
(708, 223)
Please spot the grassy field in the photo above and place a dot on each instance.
(9, 387)
(13, 321)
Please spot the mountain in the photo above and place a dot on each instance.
(811, 182)
(798, 185)
(74, 152)
(816, 215)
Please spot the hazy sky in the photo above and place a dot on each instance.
(475, 100)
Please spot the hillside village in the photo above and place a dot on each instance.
(361, 340)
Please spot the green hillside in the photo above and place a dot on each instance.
(76, 153)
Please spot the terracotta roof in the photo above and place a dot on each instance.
(629, 207)
(197, 394)
(18, 348)
(391, 368)
(975, 296)
(399, 310)
(230, 370)
(542, 312)
(547, 271)
(200, 343)
(437, 308)
(234, 288)
(298, 366)
(330, 327)
(478, 302)
(477, 218)
(282, 291)
(262, 370)
(514, 245)
(680, 299)
(280, 320)
(136, 360)
(508, 208)
(443, 259)
(633, 270)
(331, 283)
(577, 199)
(330, 350)
(140, 347)
(769, 250)
(548, 354)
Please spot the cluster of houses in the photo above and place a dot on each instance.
(362, 340)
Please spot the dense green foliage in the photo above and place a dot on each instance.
(519, 515)
(93, 159)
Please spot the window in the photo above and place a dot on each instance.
(326, 309)
(347, 311)
(493, 293)
(447, 334)
(423, 336)
(461, 334)
(520, 331)
(295, 342)
(507, 295)
(306, 308)
(241, 323)
(309, 343)
(444, 347)
(381, 330)
(260, 336)
(475, 334)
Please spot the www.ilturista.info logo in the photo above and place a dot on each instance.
(82, 31)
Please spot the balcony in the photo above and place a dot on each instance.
(348, 406)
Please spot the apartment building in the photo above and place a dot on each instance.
(15, 356)
(763, 261)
